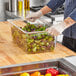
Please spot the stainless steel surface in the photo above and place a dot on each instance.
(72, 60)
(38, 2)
(62, 65)
(4, 15)
(13, 8)
(13, 5)
(10, 15)
(2, 10)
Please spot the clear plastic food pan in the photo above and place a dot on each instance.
(35, 41)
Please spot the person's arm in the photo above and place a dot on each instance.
(72, 16)
(71, 19)
(45, 10)
(59, 28)
(69, 22)
(52, 6)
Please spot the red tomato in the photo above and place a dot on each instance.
(53, 72)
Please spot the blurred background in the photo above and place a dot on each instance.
(13, 9)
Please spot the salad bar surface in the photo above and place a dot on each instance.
(10, 53)
(58, 67)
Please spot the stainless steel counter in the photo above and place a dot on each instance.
(72, 60)
(62, 65)
(2, 10)
(4, 14)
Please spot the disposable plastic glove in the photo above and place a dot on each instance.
(57, 29)
(33, 16)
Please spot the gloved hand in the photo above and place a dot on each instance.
(57, 29)
(33, 16)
